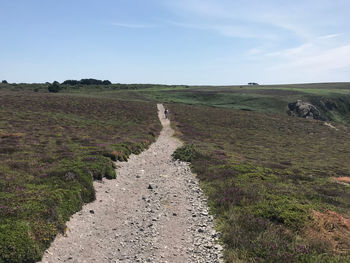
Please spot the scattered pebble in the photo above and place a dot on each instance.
(134, 224)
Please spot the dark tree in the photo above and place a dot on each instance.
(89, 81)
(54, 87)
(71, 82)
(106, 82)
(4, 82)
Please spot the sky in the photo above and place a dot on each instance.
(193, 42)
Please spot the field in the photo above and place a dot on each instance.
(52, 146)
(267, 99)
(279, 185)
(332, 99)
(271, 181)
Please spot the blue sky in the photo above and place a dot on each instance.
(217, 42)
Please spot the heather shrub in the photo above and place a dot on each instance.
(186, 153)
(264, 175)
(16, 243)
(52, 147)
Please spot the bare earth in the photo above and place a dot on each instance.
(154, 211)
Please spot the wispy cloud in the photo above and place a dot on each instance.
(319, 64)
(227, 30)
(186, 25)
(330, 36)
(226, 16)
(240, 31)
(299, 18)
(331, 59)
(255, 51)
(205, 8)
(135, 26)
(291, 52)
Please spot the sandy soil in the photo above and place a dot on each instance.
(154, 211)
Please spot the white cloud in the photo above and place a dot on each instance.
(332, 59)
(233, 31)
(135, 26)
(255, 51)
(330, 36)
(205, 8)
(318, 66)
(293, 40)
(241, 31)
(187, 25)
(291, 52)
(253, 14)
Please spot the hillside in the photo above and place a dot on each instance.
(52, 147)
(278, 185)
(274, 182)
(331, 99)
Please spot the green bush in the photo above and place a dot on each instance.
(16, 243)
(186, 153)
(283, 210)
(54, 87)
(101, 167)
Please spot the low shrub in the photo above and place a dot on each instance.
(99, 167)
(16, 242)
(264, 174)
(185, 153)
(52, 148)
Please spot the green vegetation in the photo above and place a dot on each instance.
(332, 99)
(54, 87)
(186, 153)
(268, 177)
(87, 82)
(264, 175)
(52, 146)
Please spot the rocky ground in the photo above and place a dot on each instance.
(154, 211)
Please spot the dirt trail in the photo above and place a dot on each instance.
(153, 212)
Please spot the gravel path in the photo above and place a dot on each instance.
(154, 211)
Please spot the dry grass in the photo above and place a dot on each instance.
(330, 229)
(344, 179)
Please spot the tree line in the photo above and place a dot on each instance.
(86, 82)
(56, 86)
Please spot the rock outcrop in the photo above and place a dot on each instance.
(303, 110)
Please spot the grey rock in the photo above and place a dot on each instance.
(304, 110)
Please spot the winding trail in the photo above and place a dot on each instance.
(154, 211)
